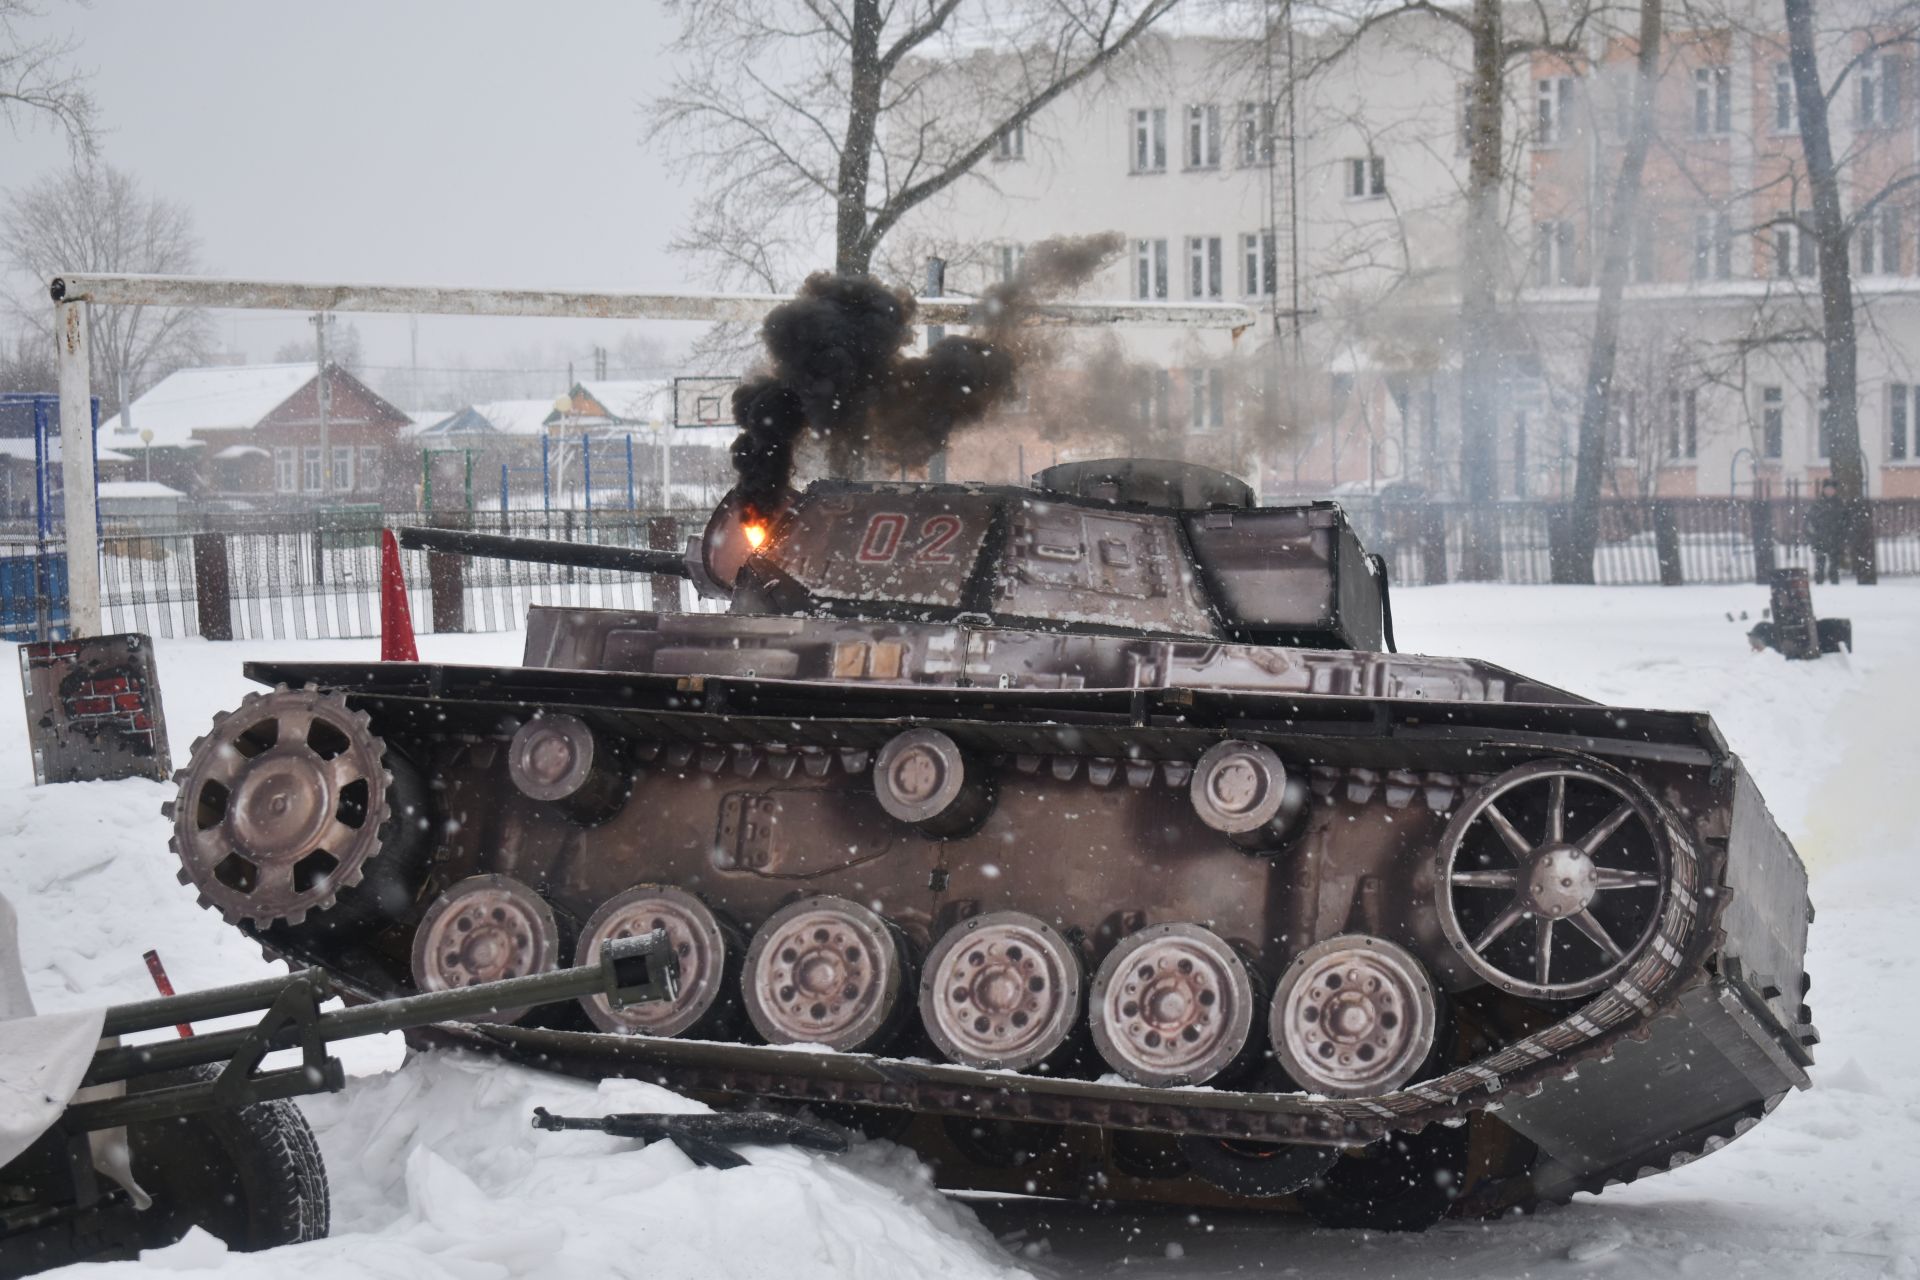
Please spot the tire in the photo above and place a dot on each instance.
(252, 1176)
(1404, 1182)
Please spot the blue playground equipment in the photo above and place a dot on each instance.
(33, 583)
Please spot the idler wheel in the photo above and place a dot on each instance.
(1001, 990)
(1242, 790)
(281, 807)
(1172, 1004)
(1354, 1016)
(704, 946)
(483, 929)
(558, 759)
(923, 780)
(824, 971)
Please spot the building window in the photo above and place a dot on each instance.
(1553, 99)
(1773, 422)
(1786, 112)
(310, 475)
(1206, 269)
(286, 470)
(341, 478)
(1150, 140)
(1012, 143)
(1877, 242)
(1203, 137)
(1712, 100)
(1878, 103)
(369, 469)
(1150, 270)
(1712, 245)
(1260, 271)
(1366, 177)
(1683, 425)
(1256, 133)
(1897, 421)
(1626, 426)
(1640, 254)
(1156, 399)
(1208, 388)
(1793, 248)
(1553, 253)
(1009, 258)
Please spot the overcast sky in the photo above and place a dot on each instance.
(479, 142)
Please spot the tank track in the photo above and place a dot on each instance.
(718, 728)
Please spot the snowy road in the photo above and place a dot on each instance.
(436, 1174)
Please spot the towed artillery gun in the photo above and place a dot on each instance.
(1094, 827)
(107, 1148)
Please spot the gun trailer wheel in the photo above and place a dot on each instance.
(1552, 878)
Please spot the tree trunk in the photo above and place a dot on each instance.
(1597, 404)
(1840, 413)
(1480, 274)
(852, 250)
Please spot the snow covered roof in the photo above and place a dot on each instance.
(19, 450)
(125, 490)
(641, 400)
(225, 397)
(239, 451)
(495, 417)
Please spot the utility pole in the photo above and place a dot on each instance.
(322, 321)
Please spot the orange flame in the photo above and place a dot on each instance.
(756, 534)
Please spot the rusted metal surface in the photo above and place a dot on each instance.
(94, 710)
(583, 304)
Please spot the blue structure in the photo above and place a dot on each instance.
(33, 586)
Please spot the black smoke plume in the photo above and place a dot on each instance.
(838, 369)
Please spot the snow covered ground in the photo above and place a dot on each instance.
(436, 1172)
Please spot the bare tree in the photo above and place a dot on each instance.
(95, 218)
(38, 80)
(1596, 400)
(816, 119)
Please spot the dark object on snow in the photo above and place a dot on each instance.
(707, 1140)
(1793, 629)
(213, 1139)
(1088, 791)
(93, 709)
(1836, 635)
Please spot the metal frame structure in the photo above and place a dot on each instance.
(72, 292)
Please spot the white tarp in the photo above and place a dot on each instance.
(41, 1058)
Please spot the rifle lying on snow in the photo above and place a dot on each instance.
(707, 1140)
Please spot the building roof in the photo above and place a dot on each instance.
(495, 417)
(233, 451)
(126, 490)
(640, 400)
(226, 397)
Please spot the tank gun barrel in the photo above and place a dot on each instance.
(583, 555)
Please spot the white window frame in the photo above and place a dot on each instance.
(340, 477)
(367, 468)
(1712, 101)
(1553, 110)
(1366, 177)
(1206, 267)
(1207, 393)
(1156, 399)
(1794, 257)
(1011, 144)
(1150, 282)
(1683, 425)
(1008, 259)
(1149, 140)
(1786, 100)
(1877, 247)
(286, 470)
(1259, 264)
(1203, 136)
(1553, 253)
(1255, 127)
(311, 472)
(1877, 102)
(1713, 245)
(1900, 447)
(1773, 423)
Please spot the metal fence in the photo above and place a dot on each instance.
(1671, 542)
(307, 577)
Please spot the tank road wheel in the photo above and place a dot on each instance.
(281, 806)
(704, 946)
(824, 971)
(482, 929)
(1172, 1004)
(1354, 1016)
(1001, 990)
(1552, 878)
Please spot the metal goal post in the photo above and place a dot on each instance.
(72, 293)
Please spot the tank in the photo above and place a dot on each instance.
(1089, 837)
